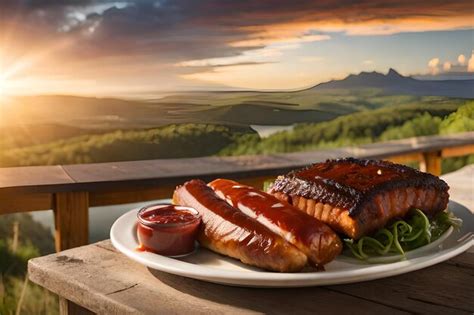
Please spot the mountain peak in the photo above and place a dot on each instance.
(393, 73)
(394, 82)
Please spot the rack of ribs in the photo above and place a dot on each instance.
(356, 197)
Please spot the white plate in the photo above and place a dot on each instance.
(209, 266)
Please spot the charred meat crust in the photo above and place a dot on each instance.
(351, 183)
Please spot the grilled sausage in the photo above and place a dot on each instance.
(311, 236)
(228, 231)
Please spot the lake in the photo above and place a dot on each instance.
(265, 131)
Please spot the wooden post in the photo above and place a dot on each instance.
(71, 218)
(431, 162)
(69, 308)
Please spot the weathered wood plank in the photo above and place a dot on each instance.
(71, 219)
(173, 172)
(387, 149)
(33, 179)
(99, 278)
(441, 289)
(155, 173)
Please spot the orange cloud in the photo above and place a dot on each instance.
(115, 44)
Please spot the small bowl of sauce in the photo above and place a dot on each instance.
(168, 229)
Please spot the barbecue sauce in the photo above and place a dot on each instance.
(167, 229)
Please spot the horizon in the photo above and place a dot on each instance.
(156, 95)
(131, 48)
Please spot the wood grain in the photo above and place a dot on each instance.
(441, 289)
(71, 219)
(99, 278)
(33, 179)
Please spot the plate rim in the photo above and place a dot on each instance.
(274, 279)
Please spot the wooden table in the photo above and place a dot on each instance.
(104, 281)
(100, 279)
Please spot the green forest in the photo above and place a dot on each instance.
(440, 116)
(363, 127)
(366, 127)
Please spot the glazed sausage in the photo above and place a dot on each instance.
(228, 231)
(314, 238)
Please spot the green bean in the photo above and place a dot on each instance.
(402, 235)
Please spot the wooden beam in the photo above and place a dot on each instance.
(11, 203)
(431, 163)
(405, 158)
(121, 196)
(71, 219)
(137, 194)
(458, 151)
(67, 307)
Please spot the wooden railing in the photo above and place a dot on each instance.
(71, 189)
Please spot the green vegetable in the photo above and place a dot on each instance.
(267, 184)
(403, 235)
(442, 222)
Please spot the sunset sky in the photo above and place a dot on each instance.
(137, 48)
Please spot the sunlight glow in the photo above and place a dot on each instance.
(3, 83)
(16, 78)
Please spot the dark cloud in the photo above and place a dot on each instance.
(183, 29)
(159, 34)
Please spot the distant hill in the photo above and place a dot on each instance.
(17, 136)
(41, 116)
(326, 101)
(394, 82)
(84, 112)
(258, 114)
